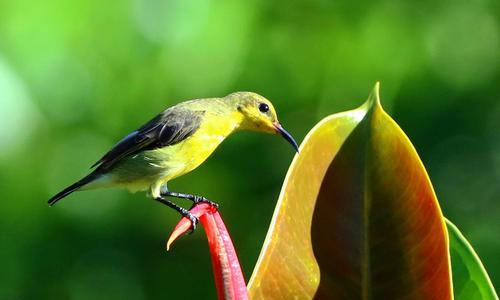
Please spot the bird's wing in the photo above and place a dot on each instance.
(168, 128)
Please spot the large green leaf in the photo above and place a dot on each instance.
(357, 218)
(470, 280)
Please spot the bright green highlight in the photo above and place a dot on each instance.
(470, 279)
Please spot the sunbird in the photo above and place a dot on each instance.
(176, 142)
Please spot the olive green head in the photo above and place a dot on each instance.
(258, 114)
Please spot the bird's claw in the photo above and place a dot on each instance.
(194, 220)
(200, 199)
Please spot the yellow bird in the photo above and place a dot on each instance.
(176, 142)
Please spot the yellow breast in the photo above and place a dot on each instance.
(187, 155)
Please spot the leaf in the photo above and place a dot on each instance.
(357, 218)
(226, 267)
(470, 280)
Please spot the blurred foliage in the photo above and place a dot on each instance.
(76, 76)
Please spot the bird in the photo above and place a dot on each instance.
(174, 143)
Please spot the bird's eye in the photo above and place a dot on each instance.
(263, 107)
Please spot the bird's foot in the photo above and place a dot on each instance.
(195, 198)
(184, 212)
(201, 199)
(194, 220)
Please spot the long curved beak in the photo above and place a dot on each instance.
(286, 135)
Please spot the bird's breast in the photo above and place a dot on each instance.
(187, 155)
(203, 143)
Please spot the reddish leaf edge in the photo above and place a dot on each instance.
(229, 279)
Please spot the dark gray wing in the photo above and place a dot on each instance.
(168, 128)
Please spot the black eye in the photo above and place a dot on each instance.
(263, 107)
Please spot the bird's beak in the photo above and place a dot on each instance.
(286, 135)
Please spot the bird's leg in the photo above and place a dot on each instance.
(196, 199)
(184, 212)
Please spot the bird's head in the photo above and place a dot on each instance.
(258, 114)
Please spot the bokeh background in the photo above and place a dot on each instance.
(76, 76)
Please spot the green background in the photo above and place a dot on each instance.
(76, 76)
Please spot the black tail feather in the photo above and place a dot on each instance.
(72, 188)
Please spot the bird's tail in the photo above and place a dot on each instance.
(72, 188)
